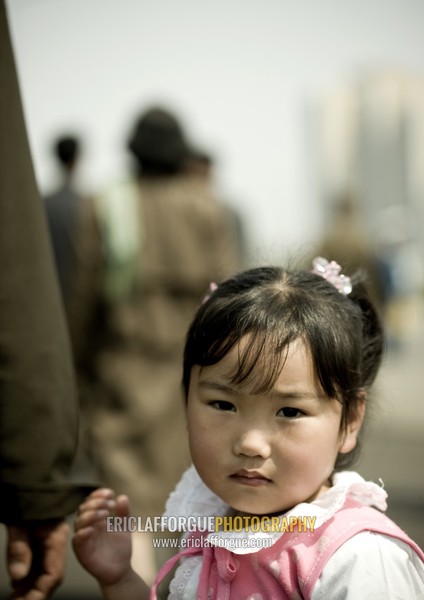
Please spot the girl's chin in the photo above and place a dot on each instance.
(253, 509)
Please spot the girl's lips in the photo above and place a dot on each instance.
(251, 478)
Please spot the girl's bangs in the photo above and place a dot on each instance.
(261, 356)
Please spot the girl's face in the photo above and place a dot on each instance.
(264, 454)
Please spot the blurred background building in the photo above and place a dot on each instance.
(314, 116)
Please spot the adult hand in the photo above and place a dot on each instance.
(36, 556)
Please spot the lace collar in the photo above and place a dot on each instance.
(191, 498)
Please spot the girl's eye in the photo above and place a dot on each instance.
(290, 412)
(222, 405)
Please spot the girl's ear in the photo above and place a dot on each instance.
(349, 436)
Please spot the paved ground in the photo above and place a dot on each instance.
(393, 451)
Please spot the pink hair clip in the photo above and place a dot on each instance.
(212, 287)
(331, 272)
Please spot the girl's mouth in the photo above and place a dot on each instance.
(250, 478)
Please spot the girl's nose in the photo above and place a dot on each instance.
(252, 443)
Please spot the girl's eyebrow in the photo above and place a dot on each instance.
(278, 395)
(221, 387)
(293, 395)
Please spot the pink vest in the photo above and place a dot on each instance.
(290, 568)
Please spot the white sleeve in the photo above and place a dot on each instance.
(372, 565)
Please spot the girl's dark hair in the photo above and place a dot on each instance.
(277, 306)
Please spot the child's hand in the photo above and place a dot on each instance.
(106, 555)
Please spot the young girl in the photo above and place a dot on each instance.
(277, 370)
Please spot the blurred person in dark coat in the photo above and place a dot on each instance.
(38, 408)
(70, 214)
(62, 208)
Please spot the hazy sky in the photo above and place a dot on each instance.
(240, 73)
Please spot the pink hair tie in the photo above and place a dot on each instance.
(331, 272)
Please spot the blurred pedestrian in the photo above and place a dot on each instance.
(200, 166)
(347, 239)
(62, 208)
(71, 221)
(163, 241)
